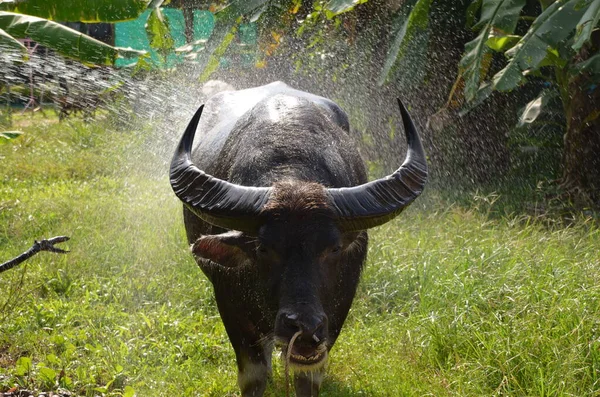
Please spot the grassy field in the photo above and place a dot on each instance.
(453, 302)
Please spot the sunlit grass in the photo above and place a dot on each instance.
(452, 302)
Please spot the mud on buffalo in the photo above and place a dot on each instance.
(276, 207)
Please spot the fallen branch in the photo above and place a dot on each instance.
(44, 245)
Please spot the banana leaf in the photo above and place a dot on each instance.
(62, 39)
(248, 8)
(159, 34)
(340, 6)
(413, 30)
(502, 43)
(472, 13)
(587, 23)
(79, 10)
(591, 65)
(551, 27)
(497, 16)
(483, 93)
(9, 41)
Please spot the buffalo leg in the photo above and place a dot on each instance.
(254, 367)
(253, 360)
(307, 384)
(253, 357)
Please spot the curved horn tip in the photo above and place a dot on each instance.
(400, 103)
(403, 110)
(188, 136)
(372, 204)
(216, 201)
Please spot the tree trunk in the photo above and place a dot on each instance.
(581, 155)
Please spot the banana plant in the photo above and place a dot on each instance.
(36, 20)
(559, 45)
(159, 33)
(78, 10)
(410, 41)
(558, 48)
(541, 45)
(554, 39)
(60, 38)
(496, 25)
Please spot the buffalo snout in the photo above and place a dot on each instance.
(304, 338)
(312, 326)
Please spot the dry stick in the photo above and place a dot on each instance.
(287, 362)
(44, 245)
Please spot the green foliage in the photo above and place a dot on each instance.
(33, 19)
(410, 36)
(61, 38)
(541, 46)
(219, 49)
(502, 43)
(553, 39)
(228, 20)
(549, 29)
(7, 40)
(159, 34)
(472, 10)
(252, 9)
(23, 366)
(592, 66)
(496, 25)
(79, 10)
(336, 7)
(586, 25)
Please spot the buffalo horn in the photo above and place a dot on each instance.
(374, 203)
(216, 201)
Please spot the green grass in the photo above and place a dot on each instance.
(453, 302)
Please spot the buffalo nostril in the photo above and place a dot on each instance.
(312, 327)
(291, 320)
(291, 317)
(319, 332)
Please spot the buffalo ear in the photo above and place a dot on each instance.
(229, 249)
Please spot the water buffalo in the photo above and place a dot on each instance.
(276, 204)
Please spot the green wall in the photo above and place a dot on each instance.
(242, 52)
(133, 34)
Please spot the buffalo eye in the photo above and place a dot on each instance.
(336, 249)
